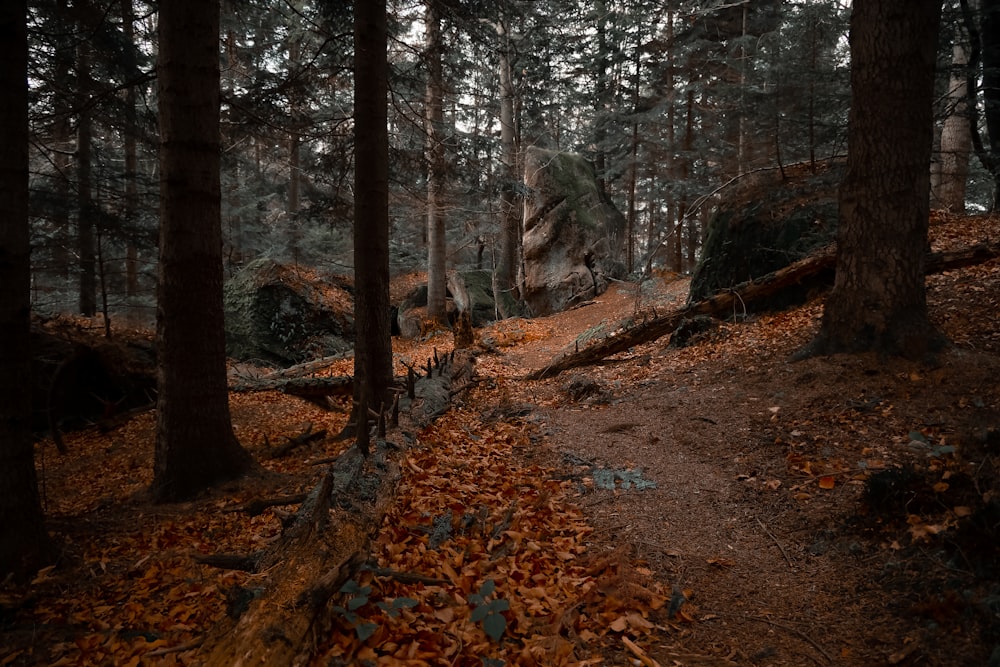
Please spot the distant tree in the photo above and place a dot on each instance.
(24, 542)
(952, 169)
(86, 206)
(373, 342)
(878, 302)
(195, 443)
(984, 58)
(506, 273)
(436, 241)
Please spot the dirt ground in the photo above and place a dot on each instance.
(833, 511)
(837, 510)
(741, 443)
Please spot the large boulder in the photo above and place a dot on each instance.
(285, 315)
(768, 222)
(571, 232)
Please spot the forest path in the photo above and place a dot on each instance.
(752, 474)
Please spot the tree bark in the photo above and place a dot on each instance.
(373, 346)
(86, 209)
(505, 276)
(436, 243)
(24, 542)
(130, 139)
(878, 302)
(990, 34)
(956, 140)
(195, 444)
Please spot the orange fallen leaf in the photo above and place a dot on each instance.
(827, 482)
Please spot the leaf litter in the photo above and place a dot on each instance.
(839, 510)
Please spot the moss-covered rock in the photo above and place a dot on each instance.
(572, 232)
(765, 225)
(286, 315)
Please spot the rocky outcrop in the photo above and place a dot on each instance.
(285, 315)
(571, 232)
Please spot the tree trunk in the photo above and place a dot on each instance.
(956, 140)
(24, 542)
(195, 444)
(373, 346)
(87, 265)
(63, 142)
(510, 218)
(129, 137)
(878, 301)
(436, 243)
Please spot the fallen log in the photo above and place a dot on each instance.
(815, 271)
(323, 548)
(311, 388)
(325, 543)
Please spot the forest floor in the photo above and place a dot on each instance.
(717, 504)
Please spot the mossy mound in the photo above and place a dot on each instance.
(766, 224)
(285, 315)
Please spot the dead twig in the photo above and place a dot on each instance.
(167, 650)
(408, 577)
(777, 543)
(639, 653)
(803, 636)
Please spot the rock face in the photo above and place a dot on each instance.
(286, 315)
(766, 224)
(571, 232)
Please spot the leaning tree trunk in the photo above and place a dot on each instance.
(24, 543)
(878, 302)
(195, 443)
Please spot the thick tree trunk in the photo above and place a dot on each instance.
(373, 347)
(436, 243)
(24, 542)
(878, 301)
(195, 444)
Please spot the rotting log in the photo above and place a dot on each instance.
(815, 271)
(311, 388)
(325, 544)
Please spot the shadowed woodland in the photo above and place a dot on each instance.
(499, 333)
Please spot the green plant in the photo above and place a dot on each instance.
(489, 613)
(359, 598)
(393, 608)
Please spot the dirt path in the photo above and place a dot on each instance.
(752, 472)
